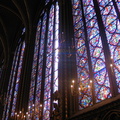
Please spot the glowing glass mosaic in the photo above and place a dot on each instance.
(47, 86)
(46, 49)
(18, 79)
(118, 4)
(11, 81)
(34, 74)
(112, 29)
(14, 80)
(85, 98)
(90, 29)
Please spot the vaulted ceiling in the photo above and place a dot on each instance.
(15, 14)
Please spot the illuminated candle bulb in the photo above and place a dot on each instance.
(73, 81)
(111, 65)
(26, 113)
(17, 115)
(72, 89)
(29, 107)
(40, 105)
(88, 86)
(20, 112)
(24, 116)
(111, 57)
(79, 88)
(33, 105)
(90, 81)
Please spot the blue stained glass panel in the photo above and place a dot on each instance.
(88, 7)
(11, 81)
(112, 29)
(47, 87)
(40, 66)
(18, 79)
(52, 44)
(81, 57)
(56, 49)
(118, 4)
(97, 53)
(34, 67)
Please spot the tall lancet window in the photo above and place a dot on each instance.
(44, 78)
(13, 87)
(97, 42)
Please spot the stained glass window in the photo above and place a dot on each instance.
(93, 78)
(14, 80)
(45, 64)
(48, 74)
(18, 79)
(81, 56)
(112, 29)
(118, 4)
(33, 76)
